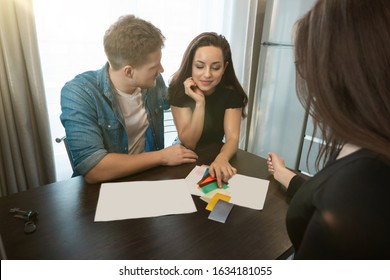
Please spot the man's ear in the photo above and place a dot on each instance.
(128, 70)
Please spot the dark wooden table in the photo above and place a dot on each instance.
(66, 227)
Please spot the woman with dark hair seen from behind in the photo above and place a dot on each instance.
(207, 101)
(343, 67)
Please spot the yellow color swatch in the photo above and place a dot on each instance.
(215, 198)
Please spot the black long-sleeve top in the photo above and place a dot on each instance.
(343, 212)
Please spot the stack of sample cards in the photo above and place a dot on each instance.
(208, 183)
(245, 191)
(217, 198)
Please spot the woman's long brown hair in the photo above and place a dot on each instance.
(342, 52)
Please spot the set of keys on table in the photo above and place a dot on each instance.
(29, 216)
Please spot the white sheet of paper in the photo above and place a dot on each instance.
(248, 191)
(140, 199)
(244, 190)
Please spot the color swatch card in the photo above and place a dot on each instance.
(221, 211)
(206, 178)
(213, 201)
(211, 186)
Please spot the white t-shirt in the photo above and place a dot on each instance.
(136, 119)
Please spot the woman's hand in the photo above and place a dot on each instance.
(275, 163)
(277, 167)
(193, 91)
(222, 170)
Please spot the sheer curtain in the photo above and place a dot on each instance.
(26, 158)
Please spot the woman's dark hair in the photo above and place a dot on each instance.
(229, 79)
(342, 52)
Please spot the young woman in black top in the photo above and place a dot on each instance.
(207, 101)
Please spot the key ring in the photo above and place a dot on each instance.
(29, 216)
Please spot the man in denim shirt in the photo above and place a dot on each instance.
(113, 117)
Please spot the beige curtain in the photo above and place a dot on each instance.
(26, 156)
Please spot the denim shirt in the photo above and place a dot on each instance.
(93, 123)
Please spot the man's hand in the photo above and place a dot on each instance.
(178, 154)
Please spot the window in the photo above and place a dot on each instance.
(70, 37)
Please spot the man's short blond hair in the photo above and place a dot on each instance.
(130, 40)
